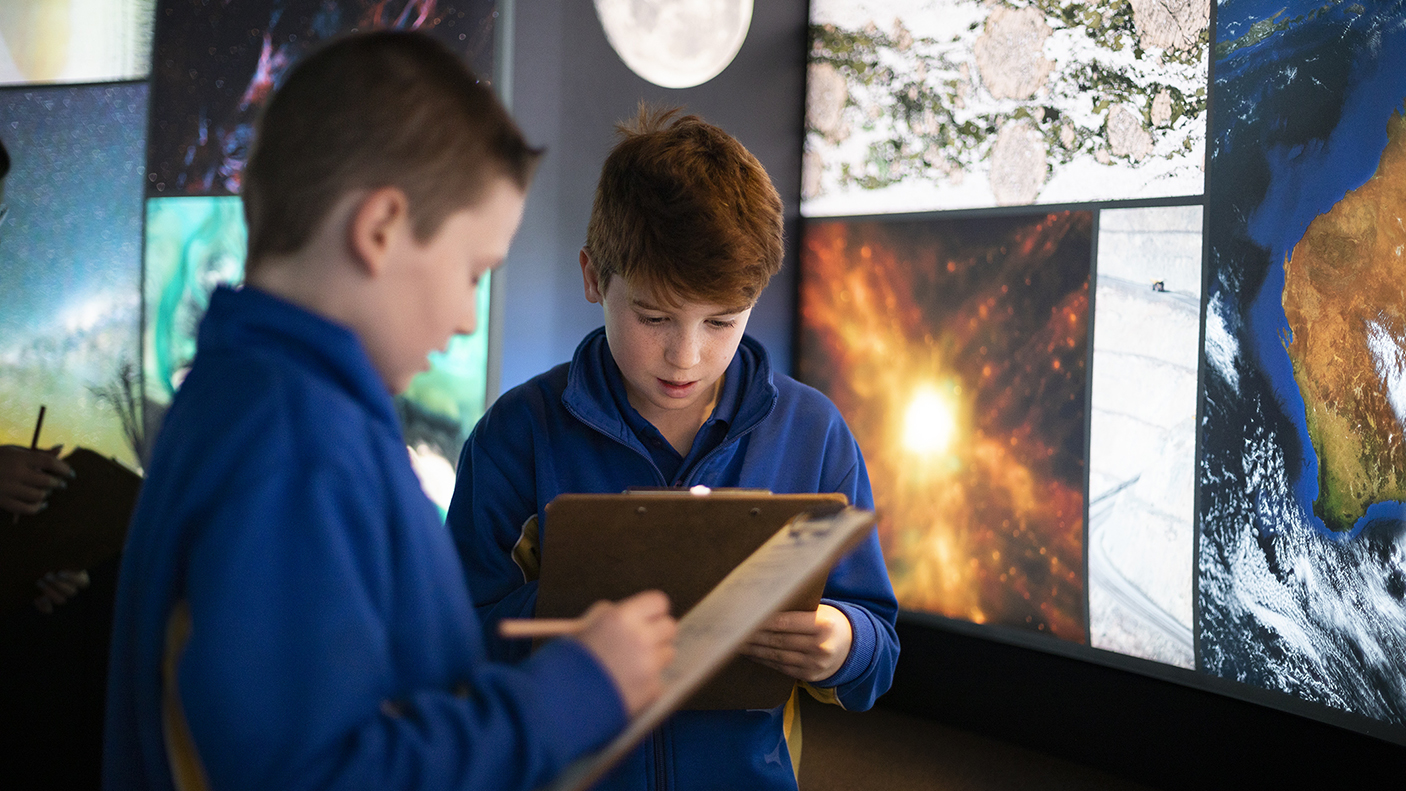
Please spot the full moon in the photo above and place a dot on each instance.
(676, 43)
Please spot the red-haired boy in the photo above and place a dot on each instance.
(685, 232)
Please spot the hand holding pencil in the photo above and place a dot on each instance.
(28, 475)
(633, 639)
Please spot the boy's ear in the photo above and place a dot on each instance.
(377, 218)
(591, 279)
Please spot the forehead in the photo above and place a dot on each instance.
(643, 296)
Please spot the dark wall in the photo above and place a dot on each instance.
(1156, 732)
(569, 88)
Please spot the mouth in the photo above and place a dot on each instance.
(676, 389)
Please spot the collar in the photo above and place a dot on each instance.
(239, 319)
(748, 396)
(724, 412)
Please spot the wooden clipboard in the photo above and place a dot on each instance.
(713, 630)
(610, 546)
(84, 525)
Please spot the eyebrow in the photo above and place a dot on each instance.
(639, 303)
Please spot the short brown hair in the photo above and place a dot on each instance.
(372, 110)
(684, 210)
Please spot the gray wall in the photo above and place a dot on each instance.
(568, 89)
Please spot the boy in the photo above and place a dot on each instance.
(685, 232)
(290, 612)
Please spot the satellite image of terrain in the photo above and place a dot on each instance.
(922, 105)
(1345, 300)
(1302, 553)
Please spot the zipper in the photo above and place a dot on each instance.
(712, 454)
(661, 774)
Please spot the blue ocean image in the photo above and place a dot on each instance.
(1302, 96)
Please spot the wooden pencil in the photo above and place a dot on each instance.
(34, 445)
(529, 628)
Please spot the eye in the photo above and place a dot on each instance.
(722, 324)
(651, 320)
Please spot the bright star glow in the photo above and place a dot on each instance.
(929, 424)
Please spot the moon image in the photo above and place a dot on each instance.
(676, 43)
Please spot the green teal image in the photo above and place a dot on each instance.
(194, 244)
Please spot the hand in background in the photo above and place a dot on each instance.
(28, 476)
(57, 587)
(634, 640)
(810, 646)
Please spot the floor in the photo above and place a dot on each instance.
(893, 751)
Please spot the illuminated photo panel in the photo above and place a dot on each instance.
(957, 351)
(922, 105)
(1142, 432)
(74, 41)
(220, 63)
(194, 244)
(1302, 556)
(70, 266)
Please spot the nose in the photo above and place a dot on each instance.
(684, 350)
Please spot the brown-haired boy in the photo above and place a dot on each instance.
(290, 612)
(685, 232)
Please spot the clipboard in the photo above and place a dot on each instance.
(84, 526)
(730, 613)
(683, 542)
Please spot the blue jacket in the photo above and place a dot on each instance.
(329, 642)
(571, 429)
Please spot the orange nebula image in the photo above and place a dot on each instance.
(957, 350)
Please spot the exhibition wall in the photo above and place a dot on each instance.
(1109, 292)
(125, 215)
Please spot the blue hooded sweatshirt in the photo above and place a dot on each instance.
(572, 429)
(285, 563)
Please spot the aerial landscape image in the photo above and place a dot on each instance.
(957, 351)
(1142, 432)
(923, 105)
(1302, 557)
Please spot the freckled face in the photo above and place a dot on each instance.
(671, 356)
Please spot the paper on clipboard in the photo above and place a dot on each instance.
(712, 632)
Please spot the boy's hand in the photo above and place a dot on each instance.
(809, 646)
(27, 476)
(634, 640)
(57, 587)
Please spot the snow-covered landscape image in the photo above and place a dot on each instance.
(925, 105)
(1142, 432)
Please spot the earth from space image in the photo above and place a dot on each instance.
(1302, 557)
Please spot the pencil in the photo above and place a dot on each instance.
(38, 425)
(33, 445)
(524, 628)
